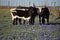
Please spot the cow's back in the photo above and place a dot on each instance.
(22, 13)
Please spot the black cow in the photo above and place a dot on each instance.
(44, 14)
(28, 15)
(34, 14)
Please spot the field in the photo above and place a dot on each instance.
(28, 32)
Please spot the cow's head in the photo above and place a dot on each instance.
(33, 10)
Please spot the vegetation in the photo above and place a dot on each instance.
(4, 10)
(26, 32)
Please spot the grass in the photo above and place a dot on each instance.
(26, 32)
(4, 10)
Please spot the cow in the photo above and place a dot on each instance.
(24, 14)
(44, 13)
(34, 14)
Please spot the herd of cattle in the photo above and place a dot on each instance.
(29, 14)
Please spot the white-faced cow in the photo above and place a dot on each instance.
(24, 14)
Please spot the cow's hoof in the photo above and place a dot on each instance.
(14, 24)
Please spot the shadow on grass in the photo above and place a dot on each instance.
(53, 24)
(50, 24)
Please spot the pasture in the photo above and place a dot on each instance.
(28, 32)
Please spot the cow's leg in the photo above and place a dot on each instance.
(19, 21)
(15, 21)
(39, 19)
(32, 21)
(43, 20)
(47, 20)
(23, 21)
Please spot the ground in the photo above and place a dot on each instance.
(28, 32)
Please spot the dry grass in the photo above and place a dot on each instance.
(4, 10)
